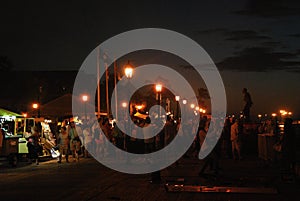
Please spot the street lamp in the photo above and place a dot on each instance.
(158, 88)
(128, 70)
(177, 98)
(85, 99)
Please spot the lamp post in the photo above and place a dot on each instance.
(155, 176)
(158, 88)
(184, 102)
(177, 98)
(85, 99)
(128, 71)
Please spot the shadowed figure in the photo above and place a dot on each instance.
(248, 104)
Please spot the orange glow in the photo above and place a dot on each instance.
(24, 115)
(128, 71)
(35, 105)
(139, 107)
(158, 87)
(274, 114)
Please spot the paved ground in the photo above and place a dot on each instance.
(89, 180)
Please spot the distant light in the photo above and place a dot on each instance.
(289, 113)
(204, 111)
(85, 98)
(124, 104)
(184, 101)
(200, 110)
(259, 116)
(197, 108)
(274, 114)
(35, 105)
(177, 98)
(24, 115)
(192, 106)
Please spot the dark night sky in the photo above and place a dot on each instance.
(254, 43)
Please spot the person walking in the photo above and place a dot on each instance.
(63, 144)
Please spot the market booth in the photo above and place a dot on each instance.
(13, 130)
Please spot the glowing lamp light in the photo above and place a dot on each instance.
(177, 98)
(184, 101)
(124, 104)
(197, 108)
(192, 106)
(274, 114)
(259, 116)
(203, 111)
(128, 72)
(24, 115)
(158, 87)
(85, 98)
(35, 105)
(139, 107)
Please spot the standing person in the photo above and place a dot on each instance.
(74, 141)
(235, 139)
(212, 159)
(288, 148)
(248, 104)
(87, 133)
(226, 139)
(63, 144)
(34, 148)
(99, 140)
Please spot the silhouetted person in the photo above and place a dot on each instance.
(248, 104)
(288, 147)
